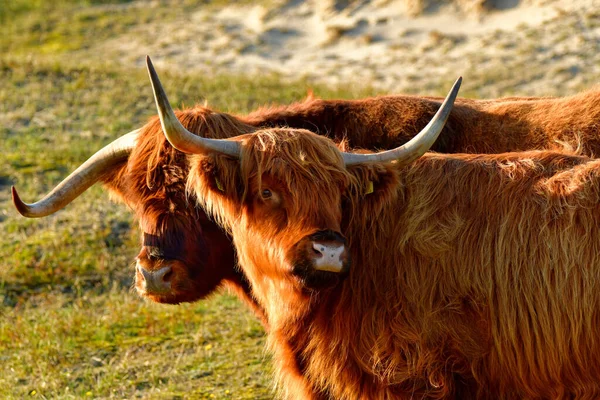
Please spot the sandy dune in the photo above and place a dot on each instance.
(395, 45)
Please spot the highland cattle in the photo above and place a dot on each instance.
(470, 276)
(184, 256)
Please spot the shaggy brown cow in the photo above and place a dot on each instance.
(472, 275)
(186, 257)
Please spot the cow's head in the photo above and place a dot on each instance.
(184, 256)
(280, 192)
(287, 206)
(182, 251)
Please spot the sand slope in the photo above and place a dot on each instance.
(395, 45)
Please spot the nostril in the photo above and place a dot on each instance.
(318, 250)
(163, 274)
(328, 256)
(168, 275)
(155, 281)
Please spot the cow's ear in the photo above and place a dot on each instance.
(116, 184)
(374, 186)
(221, 175)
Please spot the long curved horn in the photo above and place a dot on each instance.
(179, 137)
(418, 145)
(79, 180)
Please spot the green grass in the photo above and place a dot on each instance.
(63, 26)
(114, 345)
(55, 28)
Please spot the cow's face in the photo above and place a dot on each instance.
(184, 256)
(283, 211)
(177, 262)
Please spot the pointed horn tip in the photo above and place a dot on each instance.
(458, 81)
(150, 68)
(15, 195)
(457, 84)
(18, 203)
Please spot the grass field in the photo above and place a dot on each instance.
(70, 326)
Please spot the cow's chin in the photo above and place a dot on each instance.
(171, 298)
(313, 279)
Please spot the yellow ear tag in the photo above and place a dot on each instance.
(219, 186)
(369, 187)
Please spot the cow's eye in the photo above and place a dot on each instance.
(266, 194)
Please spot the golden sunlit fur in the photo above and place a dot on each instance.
(152, 183)
(474, 126)
(152, 180)
(473, 276)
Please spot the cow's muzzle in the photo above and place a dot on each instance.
(153, 281)
(327, 251)
(321, 259)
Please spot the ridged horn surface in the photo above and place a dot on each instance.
(79, 180)
(419, 144)
(179, 137)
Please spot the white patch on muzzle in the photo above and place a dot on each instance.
(331, 257)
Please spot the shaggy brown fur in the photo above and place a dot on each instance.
(152, 180)
(473, 276)
(152, 183)
(202, 256)
(474, 126)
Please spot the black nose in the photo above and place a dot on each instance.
(327, 236)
